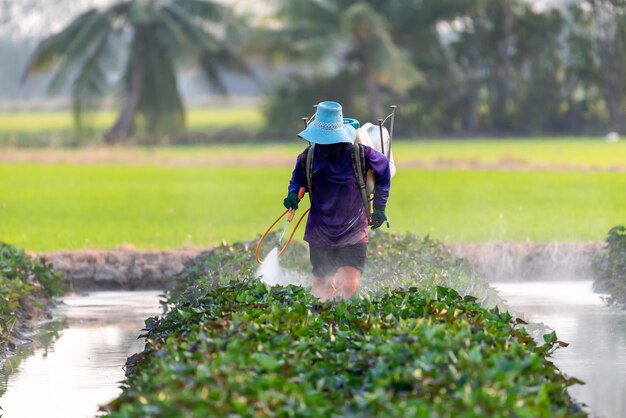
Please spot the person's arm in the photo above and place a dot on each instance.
(379, 164)
(297, 176)
(297, 181)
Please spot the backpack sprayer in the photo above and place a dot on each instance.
(291, 212)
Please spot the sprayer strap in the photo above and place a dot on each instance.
(308, 168)
(358, 165)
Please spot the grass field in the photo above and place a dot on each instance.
(27, 128)
(509, 154)
(244, 117)
(537, 152)
(54, 206)
(56, 128)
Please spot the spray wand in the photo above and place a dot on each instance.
(290, 214)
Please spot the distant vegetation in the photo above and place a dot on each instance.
(56, 128)
(454, 68)
(134, 48)
(610, 267)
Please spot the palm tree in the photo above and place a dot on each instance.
(134, 46)
(354, 30)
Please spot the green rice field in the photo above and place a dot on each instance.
(37, 129)
(551, 153)
(46, 207)
(62, 120)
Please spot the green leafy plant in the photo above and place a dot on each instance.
(247, 349)
(393, 261)
(26, 285)
(610, 266)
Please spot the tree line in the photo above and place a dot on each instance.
(454, 67)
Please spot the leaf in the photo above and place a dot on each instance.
(570, 381)
(266, 362)
(550, 338)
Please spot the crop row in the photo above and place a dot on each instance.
(26, 285)
(230, 345)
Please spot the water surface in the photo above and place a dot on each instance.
(82, 366)
(596, 334)
(82, 369)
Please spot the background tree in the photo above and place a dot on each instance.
(135, 46)
(584, 101)
(609, 27)
(347, 35)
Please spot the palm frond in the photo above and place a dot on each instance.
(311, 29)
(321, 12)
(93, 33)
(52, 48)
(203, 9)
(178, 21)
(214, 54)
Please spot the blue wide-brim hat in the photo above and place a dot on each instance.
(328, 126)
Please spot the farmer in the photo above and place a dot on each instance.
(336, 229)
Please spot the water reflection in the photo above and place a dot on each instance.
(83, 368)
(597, 337)
(47, 335)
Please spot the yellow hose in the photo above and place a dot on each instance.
(267, 231)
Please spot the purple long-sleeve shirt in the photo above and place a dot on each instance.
(337, 214)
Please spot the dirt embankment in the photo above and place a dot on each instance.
(142, 269)
(119, 269)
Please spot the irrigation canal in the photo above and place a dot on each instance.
(596, 334)
(81, 367)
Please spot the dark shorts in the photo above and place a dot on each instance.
(326, 260)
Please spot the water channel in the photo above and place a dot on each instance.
(80, 366)
(596, 334)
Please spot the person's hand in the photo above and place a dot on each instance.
(291, 201)
(378, 217)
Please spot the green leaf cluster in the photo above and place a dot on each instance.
(247, 349)
(25, 286)
(610, 266)
(392, 261)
